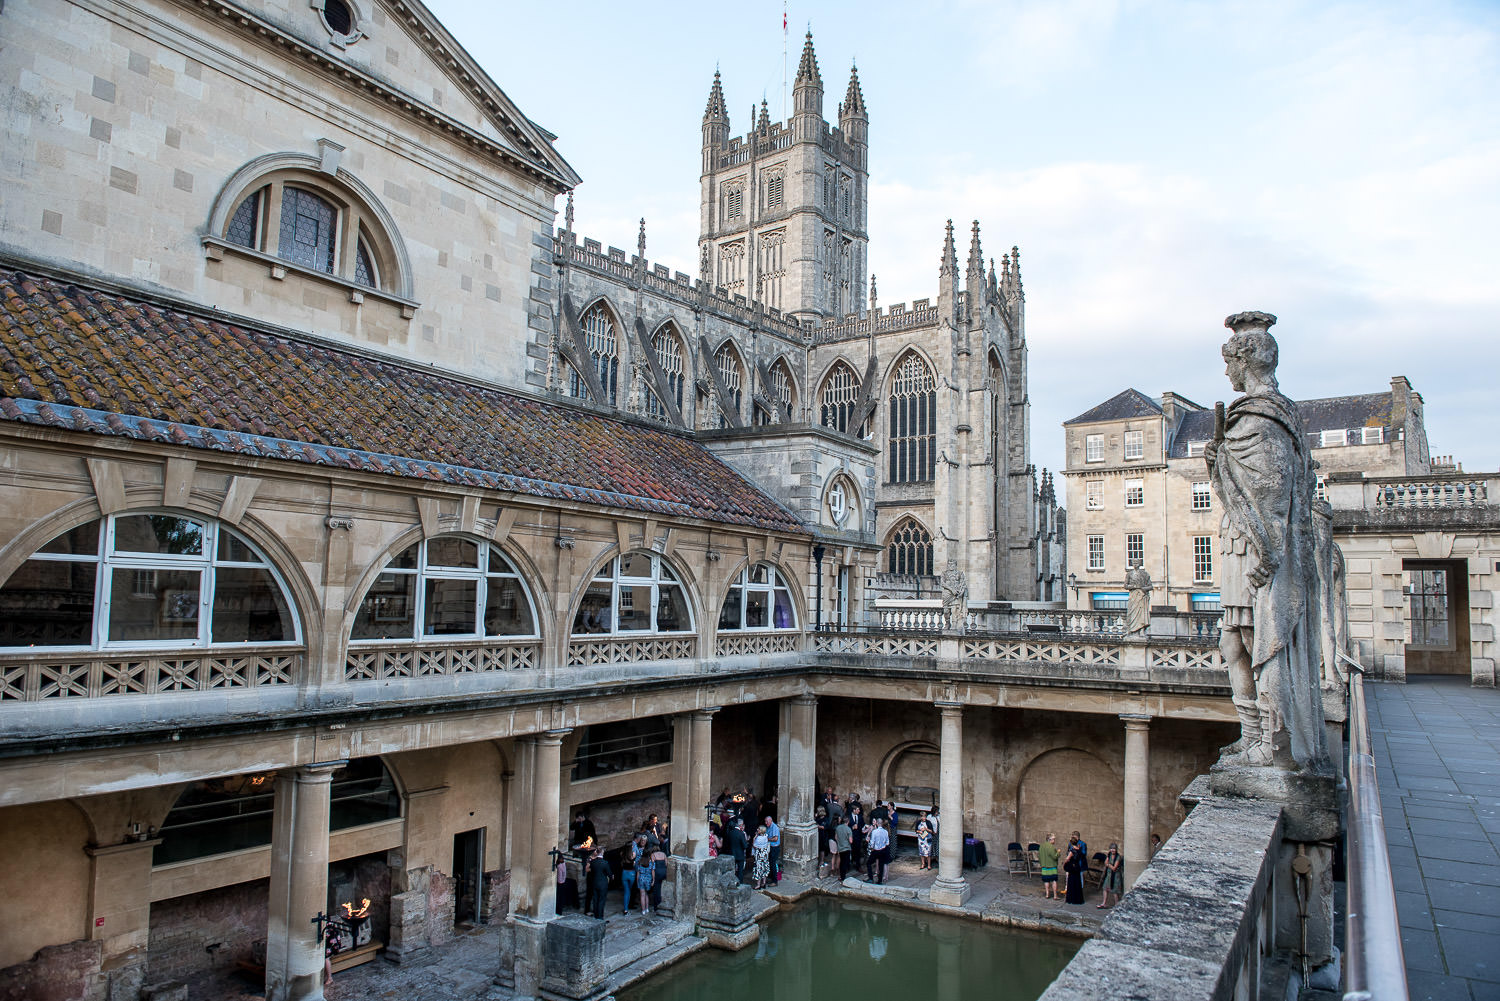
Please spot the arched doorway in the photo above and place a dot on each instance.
(1066, 790)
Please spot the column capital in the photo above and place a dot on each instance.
(706, 713)
(1136, 721)
(806, 699)
(949, 708)
(547, 738)
(318, 771)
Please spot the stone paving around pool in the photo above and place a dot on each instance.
(637, 945)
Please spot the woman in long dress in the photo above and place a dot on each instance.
(1074, 865)
(761, 848)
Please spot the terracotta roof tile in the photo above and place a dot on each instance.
(78, 357)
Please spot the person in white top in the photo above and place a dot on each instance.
(880, 851)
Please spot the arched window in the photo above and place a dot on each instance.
(910, 550)
(146, 580)
(913, 417)
(783, 389)
(604, 353)
(841, 505)
(288, 208)
(727, 362)
(234, 813)
(636, 593)
(841, 390)
(668, 350)
(758, 599)
(449, 587)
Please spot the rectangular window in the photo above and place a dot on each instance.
(775, 188)
(1372, 436)
(1196, 447)
(1321, 491)
(1135, 444)
(1203, 497)
(1427, 596)
(734, 204)
(1135, 493)
(1332, 439)
(1208, 602)
(1093, 495)
(1203, 558)
(1093, 448)
(1096, 552)
(1109, 601)
(1135, 550)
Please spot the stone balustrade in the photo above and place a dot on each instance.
(46, 675)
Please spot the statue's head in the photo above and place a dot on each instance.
(953, 564)
(1251, 351)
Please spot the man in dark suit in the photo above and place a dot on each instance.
(739, 847)
(599, 872)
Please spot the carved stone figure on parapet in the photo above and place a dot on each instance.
(1261, 471)
(955, 596)
(1138, 607)
(1333, 600)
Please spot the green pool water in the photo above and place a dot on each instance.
(824, 949)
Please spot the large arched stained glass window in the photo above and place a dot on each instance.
(910, 550)
(912, 448)
(146, 580)
(600, 334)
(840, 395)
(636, 593)
(727, 361)
(668, 350)
(448, 587)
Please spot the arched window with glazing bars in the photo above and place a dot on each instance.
(840, 396)
(668, 350)
(730, 373)
(910, 550)
(600, 334)
(912, 448)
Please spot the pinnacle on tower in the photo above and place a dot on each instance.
(807, 69)
(854, 98)
(1015, 268)
(764, 122)
(976, 259)
(640, 243)
(716, 108)
(950, 255)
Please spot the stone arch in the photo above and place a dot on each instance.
(910, 531)
(897, 770)
(679, 373)
(836, 414)
(44, 847)
(854, 519)
(1066, 789)
(311, 170)
(901, 356)
(781, 363)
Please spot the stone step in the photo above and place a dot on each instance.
(655, 935)
(665, 946)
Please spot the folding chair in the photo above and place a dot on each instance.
(1019, 862)
(1034, 858)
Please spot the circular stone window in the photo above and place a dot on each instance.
(340, 20)
(838, 504)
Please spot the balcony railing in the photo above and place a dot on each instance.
(43, 676)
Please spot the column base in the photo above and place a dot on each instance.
(799, 852)
(950, 893)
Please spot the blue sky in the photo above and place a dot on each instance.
(1160, 164)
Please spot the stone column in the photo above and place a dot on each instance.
(120, 911)
(950, 887)
(533, 887)
(299, 882)
(1137, 795)
(799, 795)
(699, 785)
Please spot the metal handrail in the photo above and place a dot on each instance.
(1376, 969)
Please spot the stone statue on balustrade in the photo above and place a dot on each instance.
(1261, 471)
(1333, 601)
(955, 596)
(1138, 607)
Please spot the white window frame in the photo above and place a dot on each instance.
(206, 564)
(1093, 495)
(1096, 552)
(1203, 496)
(1135, 549)
(1135, 493)
(423, 572)
(1093, 448)
(1333, 438)
(1203, 559)
(1135, 445)
(1372, 436)
(663, 574)
(1196, 448)
(771, 584)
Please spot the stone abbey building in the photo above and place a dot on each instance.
(357, 523)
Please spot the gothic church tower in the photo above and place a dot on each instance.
(784, 208)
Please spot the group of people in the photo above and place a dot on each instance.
(642, 862)
(849, 838)
(1074, 862)
(745, 828)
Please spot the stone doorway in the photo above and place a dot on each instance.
(468, 876)
(1436, 594)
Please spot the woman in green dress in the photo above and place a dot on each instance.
(1048, 856)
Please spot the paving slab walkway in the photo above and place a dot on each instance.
(1436, 743)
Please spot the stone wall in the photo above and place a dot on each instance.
(617, 819)
(745, 740)
(44, 883)
(353, 880)
(206, 932)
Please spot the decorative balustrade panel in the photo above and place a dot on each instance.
(831, 642)
(1445, 493)
(87, 676)
(903, 646)
(1074, 621)
(1043, 651)
(734, 644)
(618, 650)
(1185, 658)
(924, 620)
(375, 663)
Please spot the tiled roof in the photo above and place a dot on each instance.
(1130, 403)
(1332, 414)
(77, 357)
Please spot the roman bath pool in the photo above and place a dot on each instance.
(824, 948)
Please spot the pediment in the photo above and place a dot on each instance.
(406, 58)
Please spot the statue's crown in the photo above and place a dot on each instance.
(1252, 320)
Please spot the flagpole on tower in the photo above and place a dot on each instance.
(783, 60)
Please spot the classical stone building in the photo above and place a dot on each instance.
(1419, 537)
(356, 525)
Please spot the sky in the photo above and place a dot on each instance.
(1160, 164)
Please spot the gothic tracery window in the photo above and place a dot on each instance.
(910, 550)
(912, 448)
(603, 342)
(668, 351)
(728, 366)
(841, 390)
